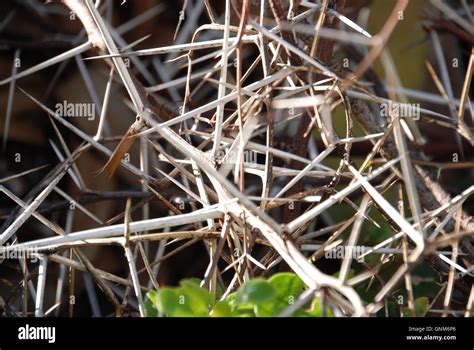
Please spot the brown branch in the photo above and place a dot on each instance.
(383, 37)
(431, 193)
(302, 136)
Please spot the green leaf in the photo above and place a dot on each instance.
(422, 306)
(153, 296)
(255, 298)
(270, 309)
(150, 308)
(222, 309)
(200, 294)
(254, 292)
(244, 313)
(185, 301)
(173, 303)
(231, 299)
(198, 299)
(288, 286)
(193, 280)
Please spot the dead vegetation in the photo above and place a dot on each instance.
(242, 134)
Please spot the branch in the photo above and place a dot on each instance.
(431, 193)
(226, 191)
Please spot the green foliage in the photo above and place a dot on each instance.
(150, 309)
(376, 235)
(422, 306)
(317, 310)
(256, 298)
(184, 301)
